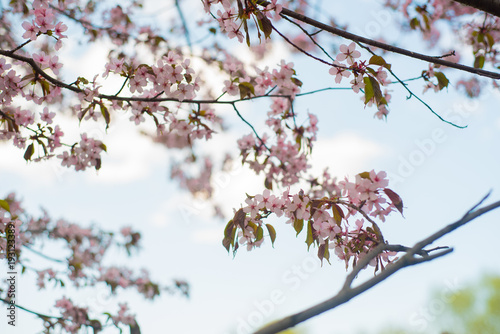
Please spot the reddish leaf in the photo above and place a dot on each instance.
(239, 218)
(395, 199)
(309, 238)
(134, 328)
(264, 24)
(324, 252)
(29, 152)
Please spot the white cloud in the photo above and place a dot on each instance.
(344, 154)
(207, 236)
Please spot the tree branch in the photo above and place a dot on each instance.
(488, 6)
(380, 45)
(409, 259)
(40, 315)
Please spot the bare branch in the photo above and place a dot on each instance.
(409, 259)
(380, 45)
(488, 6)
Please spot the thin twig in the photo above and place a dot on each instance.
(251, 126)
(310, 37)
(41, 315)
(43, 255)
(184, 24)
(413, 94)
(301, 49)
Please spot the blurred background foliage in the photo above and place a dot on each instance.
(472, 309)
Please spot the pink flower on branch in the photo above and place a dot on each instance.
(31, 30)
(348, 53)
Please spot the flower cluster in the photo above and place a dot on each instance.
(365, 78)
(85, 250)
(74, 317)
(327, 218)
(284, 160)
(44, 23)
(86, 154)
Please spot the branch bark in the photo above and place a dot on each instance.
(409, 259)
(489, 6)
(383, 46)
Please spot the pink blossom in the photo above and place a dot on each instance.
(54, 65)
(59, 29)
(31, 30)
(47, 116)
(41, 58)
(357, 83)
(349, 53)
(339, 71)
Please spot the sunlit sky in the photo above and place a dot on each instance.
(439, 171)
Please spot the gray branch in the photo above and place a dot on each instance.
(413, 256)
(488, 6)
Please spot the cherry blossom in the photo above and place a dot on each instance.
(348, 53)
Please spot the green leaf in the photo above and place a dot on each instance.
(272, 233)
(253, 226)
(245, 27)
(442, 80)
(376, 90)
(105, 114)
(264, 24)
(377, 60)
(491, 40)
(85, 111)
(213, 30)
(309, 238)
(296, 81)
(414, 23)
(134, 328)
(45, 87)
(338, 214)
(4, 205)
(268, 183)
(369, 93)
(29, 152)
(427, 22)
(260, 233)
(82, 80)
(480, 37)
(298, 225)
(365, 175)
(479, 61)
(246, 89)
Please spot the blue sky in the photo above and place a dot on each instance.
(439, 171)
